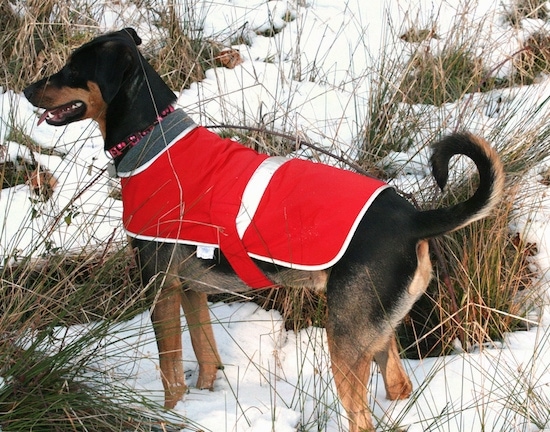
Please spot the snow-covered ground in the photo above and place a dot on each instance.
(312, 78)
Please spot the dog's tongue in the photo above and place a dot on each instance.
(43, 117)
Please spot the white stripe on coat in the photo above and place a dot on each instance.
(254, 191)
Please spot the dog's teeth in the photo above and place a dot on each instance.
(60, 112)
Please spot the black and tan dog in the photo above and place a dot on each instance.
(378, 268)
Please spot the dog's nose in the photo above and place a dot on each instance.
(29, 92)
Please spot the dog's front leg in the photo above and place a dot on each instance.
(196, 311)
(166, 322)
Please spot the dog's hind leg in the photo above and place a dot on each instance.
(358, 333)
(351, 374)
(197, 314)
(397, 382)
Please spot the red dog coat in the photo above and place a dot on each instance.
(208, 191)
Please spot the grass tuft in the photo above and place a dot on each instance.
(442, 78)
(49, 378)
(49, 392)
(519, 10)
(534, 59)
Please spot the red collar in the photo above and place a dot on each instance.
(133, 139)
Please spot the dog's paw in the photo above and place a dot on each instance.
(174, 395)
(399, 391)
(207, 376)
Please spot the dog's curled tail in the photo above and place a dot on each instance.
(432, 223)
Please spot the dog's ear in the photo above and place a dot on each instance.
(112, 63)
(133, 34)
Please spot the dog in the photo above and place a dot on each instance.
(252, 221)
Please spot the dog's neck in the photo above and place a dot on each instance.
(130, 141)
(133, 112)
(175, 126)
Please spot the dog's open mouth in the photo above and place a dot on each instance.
(63, 114)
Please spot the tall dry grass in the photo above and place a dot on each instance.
(49, 377)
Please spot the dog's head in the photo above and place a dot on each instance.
(88, 82)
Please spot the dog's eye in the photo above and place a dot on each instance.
(71, 75)
(71, 71)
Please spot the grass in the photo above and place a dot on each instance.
(49, 392)
(51, 377)
(485, 282)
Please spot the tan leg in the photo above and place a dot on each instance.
(197, 314)
(397, 382)
(351, 375)
(166, 322)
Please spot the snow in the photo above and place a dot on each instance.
(313, 78)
